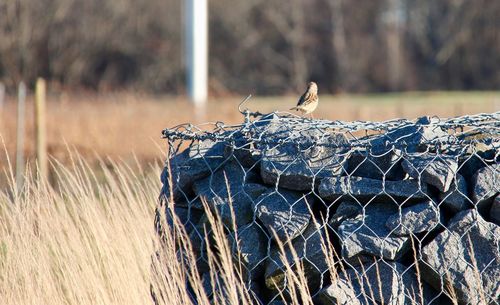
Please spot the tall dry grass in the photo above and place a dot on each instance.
(80, 241)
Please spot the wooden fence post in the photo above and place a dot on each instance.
(21, 116)
(41, 128)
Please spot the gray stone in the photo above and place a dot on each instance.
(345, 210)
(197, 235)
(250, 248)
(486, 185)
(193, 204)
(466, 258)
(367, 234)
(389, 283)
(340, 292)
(309, 253)
(367, 189)
(376, 165)
(237, 199)
(276, 302)
(495, 211)
(243, 149)
(187, 217)
(283, 212)
(213, 285)
(301, 165)
(456, 198)
(194, 163)
(436, 170)
(415, 219)
(412, 137)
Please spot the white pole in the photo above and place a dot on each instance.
(197, 50)
(21, 114)
(2, 96)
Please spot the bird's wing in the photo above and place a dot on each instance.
(304, 99)
(307, 98)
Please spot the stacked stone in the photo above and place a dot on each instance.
(409, 213)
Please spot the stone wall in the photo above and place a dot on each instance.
(411, 205)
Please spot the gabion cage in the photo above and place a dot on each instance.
(396, 212)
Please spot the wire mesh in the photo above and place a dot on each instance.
(395, 212)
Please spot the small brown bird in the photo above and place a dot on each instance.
(309, 100)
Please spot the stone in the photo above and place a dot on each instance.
(366, 234)
(301, 165)
(214, 287)
(237, 200)
(389, 283)
(340, 292)
(436, 170)
(415, 219)
(309, 253)
(345, 210)
(243, 149)
(465, 257)
(197, 235)
(412, 137)
(250, 245)
(187, 217)
(359, 188)
(276, 302)
(194, 163)
(376, 165)
(486, 185)
(495, 211)
(283, 212)
(455, 199)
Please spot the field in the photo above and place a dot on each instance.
(88, 237)
(128, 126)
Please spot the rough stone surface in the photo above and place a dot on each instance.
(412, 137)
(495, 211)
(197, 235)
(276, 302)
(367, 234)
(194, 163)
(486, 185)
(300, 166)
(283, 212)
(464, 256)
(238, 199)
(435, 170)
(244, 150)
(187, 217)
(309, 253)
(456, 198)
(415, 219)
(251, 244)
(375, 165)
(391, 283)
(368, 189)
(340, 292)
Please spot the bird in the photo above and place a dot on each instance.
(309, 100)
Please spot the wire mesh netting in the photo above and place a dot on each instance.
(396, 212)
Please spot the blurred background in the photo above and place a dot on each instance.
(115, 71)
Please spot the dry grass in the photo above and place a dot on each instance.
(80, 242)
